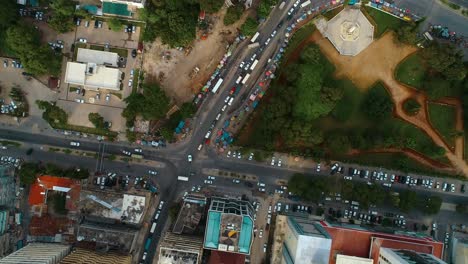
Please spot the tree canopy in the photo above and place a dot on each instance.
(152, 104)
(62, 18)
(445, 59)
(233, 14)
(377, 105)
(97, 120)
(8, 14)
(115, 24)
(249, 27)
(211, 6)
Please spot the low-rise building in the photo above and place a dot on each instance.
(190, 214)
(7, 186)
(94, 69)
(229, 226)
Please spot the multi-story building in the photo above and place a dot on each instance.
(7, 186)
(229, 226)
(175, 247)
(459, 247)
(305, 241)
(40, 253)
(403, 256)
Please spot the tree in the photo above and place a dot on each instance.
(152, 104)
(8, 14)
(445, 59)
(115, 24)
(407, 34)
(431, 205)
(28, 173)
(97, 120)
(249, 27)
(52, 113)
(311, 54)
(131, 135)
(63, 12)
(211, 6)
(408, 201)
(233, 14)
(187, 110)
(411, 106)
(338, 143)
(461, 208)
(377, 105)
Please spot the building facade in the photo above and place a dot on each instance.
(7, 186)
(175, 246)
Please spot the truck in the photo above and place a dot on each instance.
(182, 178)
(306, 3)
(254, 38)
(245, 78)
(253, 45)
(253, 65)
(217, 85)
(147, 244)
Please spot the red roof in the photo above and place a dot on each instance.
(44, 183)
(48, 225)
(364, 243)
(220, 257)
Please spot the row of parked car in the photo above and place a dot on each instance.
(14, 64)
(10, 160)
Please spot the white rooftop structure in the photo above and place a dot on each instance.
(344, 259)
(38, 253)
(92, 70)
(98, 57)
(305, 242)
(349, 31)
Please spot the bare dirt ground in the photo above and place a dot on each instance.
(374, 65)
(205, 55)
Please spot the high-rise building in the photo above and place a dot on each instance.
(175, 247)
(404, 256)
(7, 186)
(229, 226)
(38, 253)
(305, 241)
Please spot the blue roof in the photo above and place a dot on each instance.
(245, 235)
(212, 230)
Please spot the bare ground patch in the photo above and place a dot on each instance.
(171, 68)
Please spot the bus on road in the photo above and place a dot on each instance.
(147, 244)
(217, 85)
(182, 178)
(245, 78)
(306, 3)
(254, 38)
(253, 65)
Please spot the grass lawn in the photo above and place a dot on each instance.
(411, 71)
(300, 35)
(442, 117)
(121, 52)
(383, 21)
(96, 47)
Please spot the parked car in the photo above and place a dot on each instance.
(75, 144)
(134, 53)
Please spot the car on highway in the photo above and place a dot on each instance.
(224, 107)
(152, 172)
(236, 181)
(161, 204)
(273, 34)
(227, 99)
(200, 147)
(189, 158)
(208, 134)
(75, 144)
(208, 182)
(230, 101)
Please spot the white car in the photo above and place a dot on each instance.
(227, 99)
(318, 167)
(279, 163)
(273, 161)
(200, 147)
(138, 150)
(228, 154)
(236, 181)
(107, 97)
(348, 178)
(189, 158)
(208, 182)
(128, 153)
(81, 101)
(261, 189)
(161, 205)
(82, 40)
(230, 101)
(261, 233)
(273, 34)
(264, 247)
(75, 144)
(251, 156)
(152, 172)
(224, 107)
(130, 83)
(239, 155)
(267, 41)
(241, 65)
(211, 177)
(208, 134)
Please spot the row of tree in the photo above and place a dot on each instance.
(30, 171)
(315, 189)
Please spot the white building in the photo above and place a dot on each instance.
(38, 253)
(94, 69)
(344, 259)
(305, 242)
(404, 256)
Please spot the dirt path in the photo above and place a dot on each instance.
(373, 65)
(173, 70)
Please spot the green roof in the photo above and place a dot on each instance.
(115, 9)
(212, 230)
(245, 235)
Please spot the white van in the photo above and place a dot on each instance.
(230, 101)
(218, 116)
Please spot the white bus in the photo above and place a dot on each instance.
(254, 38)
(306, 3)
(182, 178)
(253, 65)
(153, 227)
(245, 78)
(217, 85)
(239, 80)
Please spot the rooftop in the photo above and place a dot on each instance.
(190, 214)
(180, 249)
(124, 207)
(349, 31)
(107, 236)
(229, 226)
(80, 255)
(92, 75)
(46, 183)
(343, 259)
(98, 57)
(226, 258)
